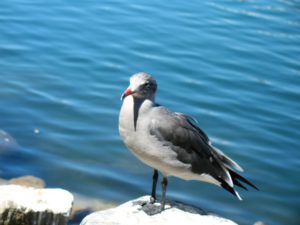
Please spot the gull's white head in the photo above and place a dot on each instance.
(142, 86)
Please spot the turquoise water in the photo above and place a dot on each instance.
(233, 65)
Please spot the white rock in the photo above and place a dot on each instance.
(132, 213)
(57, 201)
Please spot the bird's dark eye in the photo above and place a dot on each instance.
(146, 85)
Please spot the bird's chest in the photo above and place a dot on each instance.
(134, 121)
(136, 136)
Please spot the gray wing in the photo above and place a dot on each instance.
(191, 144)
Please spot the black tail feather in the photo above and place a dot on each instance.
(228, 188)
(236, 178)
(239, 184)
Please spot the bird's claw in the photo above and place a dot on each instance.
(152, 200)
(151, 209)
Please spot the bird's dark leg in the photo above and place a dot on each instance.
(154, 183)
(164, 185)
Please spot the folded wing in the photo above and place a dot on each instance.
(192, 146)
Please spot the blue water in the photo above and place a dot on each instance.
(233, 65)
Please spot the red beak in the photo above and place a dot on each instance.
(127, 92)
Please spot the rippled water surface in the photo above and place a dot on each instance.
(233, 65)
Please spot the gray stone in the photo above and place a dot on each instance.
(28, 181)
(84, 206)
(259, 223)
(141, 211)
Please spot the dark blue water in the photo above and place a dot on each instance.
(233, 65)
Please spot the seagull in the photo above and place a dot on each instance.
(171, 142)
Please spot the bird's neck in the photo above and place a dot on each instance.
(141, 106)
(132, 109)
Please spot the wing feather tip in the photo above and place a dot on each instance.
(238, 195)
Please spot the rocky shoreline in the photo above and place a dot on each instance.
(26, 201)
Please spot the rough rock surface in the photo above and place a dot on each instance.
(84, 206)
(20, 205)
(28, 181)
(140, 211)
